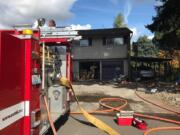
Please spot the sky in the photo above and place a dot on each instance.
(81, 14)
(101, 14)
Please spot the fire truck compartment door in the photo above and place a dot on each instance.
(58, 99)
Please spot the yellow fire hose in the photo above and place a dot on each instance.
(96, 122)
(104, 127)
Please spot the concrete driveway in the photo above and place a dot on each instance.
(77, 125)
(89, 95)
(90, 90)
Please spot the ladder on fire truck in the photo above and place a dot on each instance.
(58, 35)
(60, 32)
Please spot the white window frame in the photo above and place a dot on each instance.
(122, 41)
(111, 41)
(84, 42)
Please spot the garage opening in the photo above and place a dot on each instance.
(112, 70)
(89, 71)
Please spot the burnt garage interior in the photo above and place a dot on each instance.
(89, 70)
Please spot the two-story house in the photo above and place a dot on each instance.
(101, 54)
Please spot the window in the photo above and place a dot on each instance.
(86, 42)
(118, 41)
(113, 41)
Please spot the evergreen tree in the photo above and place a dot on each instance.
(166, 25)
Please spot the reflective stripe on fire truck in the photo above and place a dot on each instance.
(13, 113)
(26, 108)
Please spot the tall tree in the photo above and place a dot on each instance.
(166, 25)
(119, 21)
(143, 40)
(145, 47)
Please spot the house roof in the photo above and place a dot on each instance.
(108, 32)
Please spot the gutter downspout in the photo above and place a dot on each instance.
(129, 57)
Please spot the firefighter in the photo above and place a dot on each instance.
(39, 23)
(51, 23)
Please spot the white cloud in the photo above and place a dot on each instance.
(150, 36)
(158, 3)
(136, 33)
(4, 26)
(81, 27)
(140, 31)
(26, 11)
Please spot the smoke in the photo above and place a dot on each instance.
(26, 11)
(127, 10)
(129, 6)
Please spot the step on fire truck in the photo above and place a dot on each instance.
(31, 61)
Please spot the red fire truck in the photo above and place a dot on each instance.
(31, 60)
